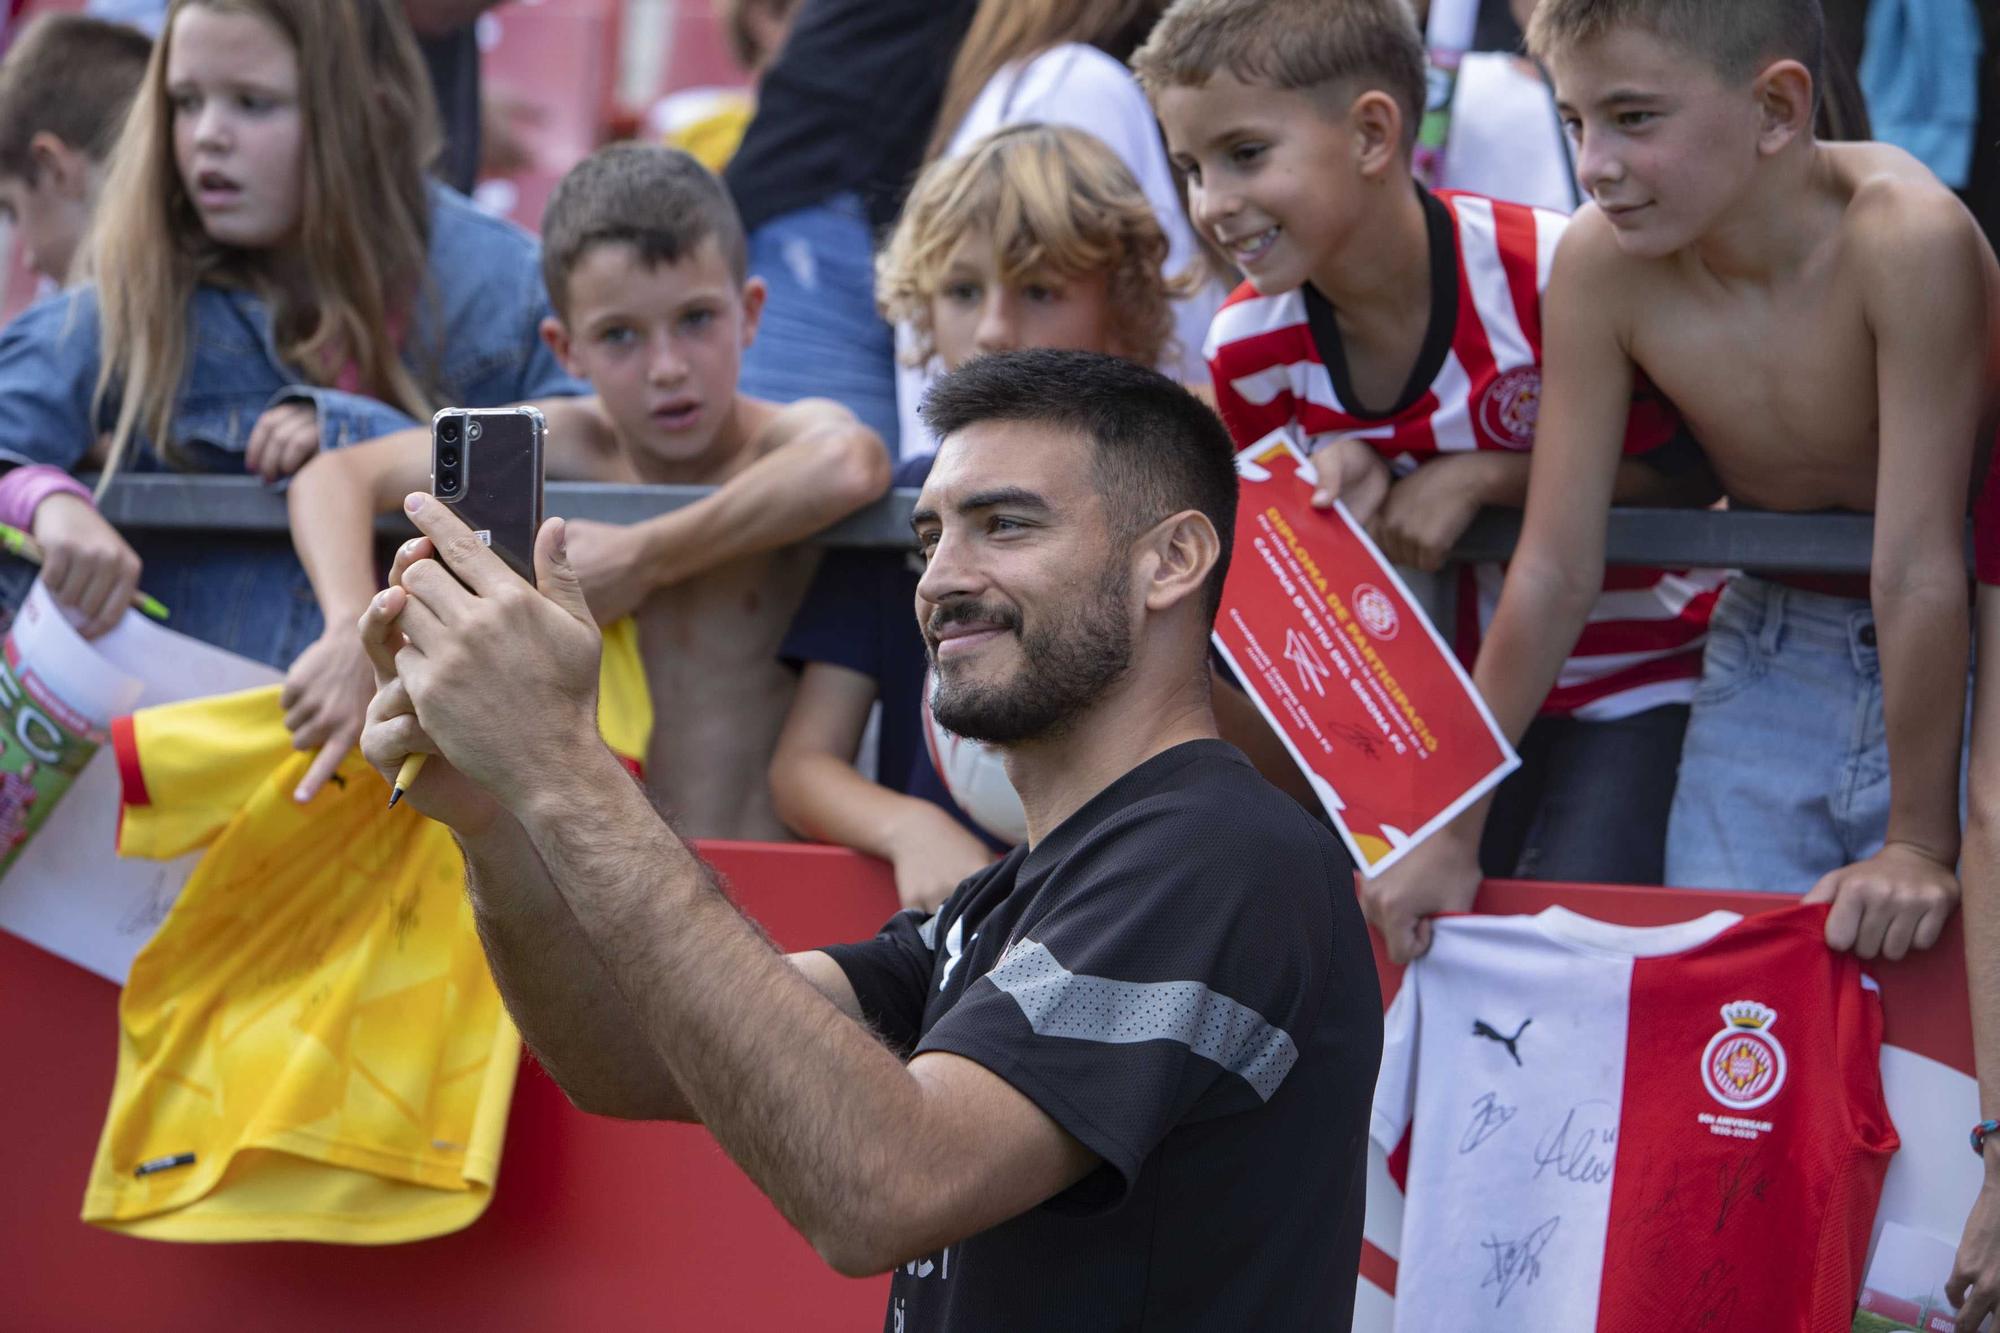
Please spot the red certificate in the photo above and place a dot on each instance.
(1346, 667)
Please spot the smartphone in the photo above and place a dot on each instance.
(486, 466)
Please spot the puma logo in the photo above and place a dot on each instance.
(1480, 1028)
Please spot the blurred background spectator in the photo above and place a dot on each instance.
(843, 115)
(1062, 62)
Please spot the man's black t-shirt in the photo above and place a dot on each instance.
(1179, 976)
(848, 105)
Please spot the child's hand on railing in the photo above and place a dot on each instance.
(1352, 472)
(1429, 510)
(282, 440)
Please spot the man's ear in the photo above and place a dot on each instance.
(1179, 554)
(1377, 123)
(754, 294)
(1784, 93)
(58, 168)
(555, 336)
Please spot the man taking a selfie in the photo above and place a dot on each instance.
(1121, 1077)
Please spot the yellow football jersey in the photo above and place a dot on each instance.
(311, 1046)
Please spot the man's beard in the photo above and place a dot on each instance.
(1068, 662)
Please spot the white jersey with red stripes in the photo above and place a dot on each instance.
(1277, 361)
(1622, 1128)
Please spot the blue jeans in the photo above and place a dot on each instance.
(820, 336)
(1785, 770)
(1589, 803)
(243, 594)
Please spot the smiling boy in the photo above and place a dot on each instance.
(1823, 317)
(1399, 332)
(644, 259)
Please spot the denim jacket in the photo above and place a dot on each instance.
(484, 291)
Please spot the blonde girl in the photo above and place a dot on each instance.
(1035, 237)
(1062, 62)
(273, 274)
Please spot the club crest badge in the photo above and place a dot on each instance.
(1743, 1065)
(1510, 406)
(1376, 612)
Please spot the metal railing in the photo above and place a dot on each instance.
(1679, 538)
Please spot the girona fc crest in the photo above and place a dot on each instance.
(1508, 408)
(1744, 1066)
(1376, 612)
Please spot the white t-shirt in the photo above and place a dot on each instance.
(1082, 87)
(1623, 1129)
(1506, 139)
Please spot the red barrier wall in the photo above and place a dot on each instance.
(595, 1224)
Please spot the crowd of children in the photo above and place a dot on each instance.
(263, 280)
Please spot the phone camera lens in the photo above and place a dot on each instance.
(448, 429)
(448, 457)
(472, 430)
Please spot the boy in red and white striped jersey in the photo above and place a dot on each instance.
(1399, 333)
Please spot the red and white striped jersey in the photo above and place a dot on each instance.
(1276, 361)
(1621, 1128)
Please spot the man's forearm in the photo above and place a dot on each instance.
(819, 1114)
(1924, 641)
(556, 990)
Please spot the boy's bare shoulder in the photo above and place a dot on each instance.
(1901, 225)
(1590, 262)
(583, 443)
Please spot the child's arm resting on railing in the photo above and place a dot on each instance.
(333, 502)
(1552, 581)
(818, 792)
(816, 465)
(1922, 263)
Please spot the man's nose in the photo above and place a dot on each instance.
(949, 575)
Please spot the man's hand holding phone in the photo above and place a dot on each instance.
(473, 664)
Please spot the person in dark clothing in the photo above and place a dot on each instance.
(843, 115)
(1121, 1079)
(451, 52)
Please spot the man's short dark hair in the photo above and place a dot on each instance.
(1157, 449)
(71, 76)
(658, 200)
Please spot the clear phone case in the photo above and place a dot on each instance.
(494, 483)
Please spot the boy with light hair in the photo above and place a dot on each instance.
(1823, 315)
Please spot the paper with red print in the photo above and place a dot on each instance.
(1346, 667)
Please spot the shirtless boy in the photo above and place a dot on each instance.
(644, 258)
(1823, 315)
